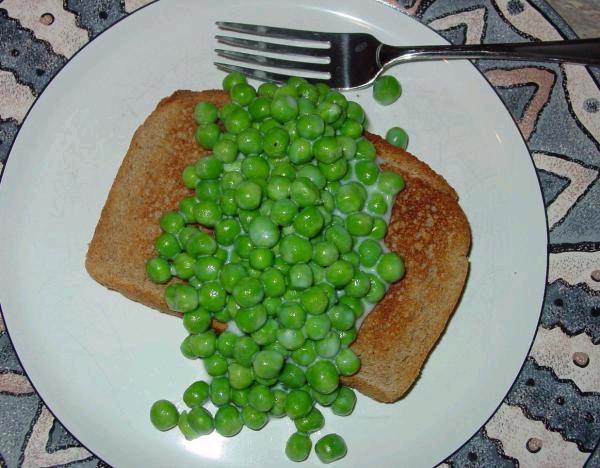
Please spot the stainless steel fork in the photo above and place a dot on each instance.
(354, 60)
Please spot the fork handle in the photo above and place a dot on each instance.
(578, 51)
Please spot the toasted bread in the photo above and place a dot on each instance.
(428, 228)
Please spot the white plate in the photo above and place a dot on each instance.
(99, 360)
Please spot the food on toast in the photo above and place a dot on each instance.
(289, 222)
(427, 225)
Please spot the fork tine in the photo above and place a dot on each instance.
(261, 75)
(263, 61)
(269, 31)
(272, 47)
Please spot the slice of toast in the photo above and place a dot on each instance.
(428, 228)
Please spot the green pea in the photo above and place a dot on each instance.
(207, 268)
(386, 89)
(276, 142)
(292, 376)
(228, 420)
(209, 167)
(200, 243)
(164, 415)
(317, 327)
(171, 222)
(305, 354)
(376, 291)
(351, 128)
(298, 447)
(250, 319)
(220, 391)
(278, 187)
(274, 283)
(300, 151)
(267, 364)
(329, 111)
(358, 286)
(212, 296)
(298, 403)
(260, 108)
(230, 274)
(295, 249)
(249, 141)
(237, 121)
(215, 365)
(379, 229)
(200, 421)
(197, 320)
(207, 212)
(263, 232)
(266, 334)
(324, 399)
(336, 170)
(232, 79)
(330, 448)
(327, 149)
(314, 300)
(312, 422)
(226, 231)
(203, 344)
(365, 150)
(205, 112)
(278, 409)
(242, 246)
(282, 167)
(267, 89)
(340, 237)
(261, 398)
(359, 224)
(350, 198)
(158, 270)
(196, 394)
(328, 346)
(291, 315)
(181, 297)
(261, 258)
(225, 150)
(304, 192)
(240, 397)
(207, 135)
(185, 428)
(355, 303)
(390, 267)
(290, 338)
(245, 350)
(347, 362)
(242, 93)
(284, 108)
(356, 112)
(323, 376)
(342, 317)
(248, 195)
(283, 211)
(189, 176)
(390, 182)
(230, 180)
(397, 136)
(248, 291)
(339, 273)
(254, 419)
(207, 189)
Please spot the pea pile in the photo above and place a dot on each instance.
(281, 239)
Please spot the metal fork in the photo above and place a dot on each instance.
(353, 60)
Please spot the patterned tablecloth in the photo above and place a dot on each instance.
(551, 416)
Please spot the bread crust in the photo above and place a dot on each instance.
(428, 228)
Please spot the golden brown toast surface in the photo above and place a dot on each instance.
(428, 228)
